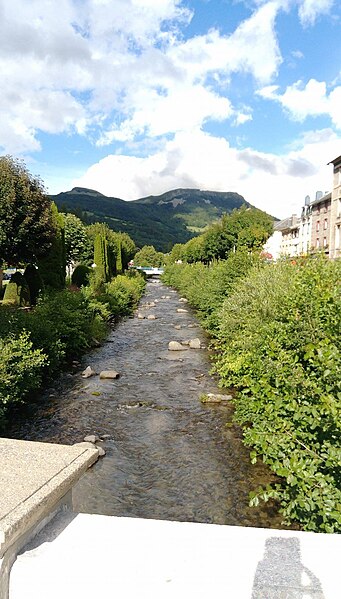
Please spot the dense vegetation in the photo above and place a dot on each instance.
(45, 323)
(161, 221)
(276, 332)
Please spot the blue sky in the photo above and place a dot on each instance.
(136, 97)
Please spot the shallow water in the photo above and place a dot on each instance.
(167, 456)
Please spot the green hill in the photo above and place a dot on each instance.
(162, 221)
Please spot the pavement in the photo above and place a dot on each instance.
(83, 556)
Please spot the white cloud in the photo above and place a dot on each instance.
(121, 68)
(309, 10)
(195, 159)
(309, 100)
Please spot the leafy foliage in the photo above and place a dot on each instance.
(34, 282)
(148, 256)
(77, 244)
(17, 292)
(26, 226)
(279, 340)
(20, 369)
(52, 267)
(81, 275)
(246, 228)
(101, 258)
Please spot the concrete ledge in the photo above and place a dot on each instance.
(36, 481)
(33, 479)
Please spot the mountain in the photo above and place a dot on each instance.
(173, 217)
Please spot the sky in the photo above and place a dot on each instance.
(137, 97)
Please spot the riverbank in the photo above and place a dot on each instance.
(37, 344)
(168, 456)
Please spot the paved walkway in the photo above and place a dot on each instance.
(86, 556)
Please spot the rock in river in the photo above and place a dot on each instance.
(195, 343)
(88, 372)
(215, 398)
(176, 346)
(109, 374)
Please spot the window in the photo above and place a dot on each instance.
(317, 243)
(337, 237)
(325, 224)
(318, 225)
(325, 242)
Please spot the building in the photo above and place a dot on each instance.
(335, 212)
(290, 231)
(320, 230)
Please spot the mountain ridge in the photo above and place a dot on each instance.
(160, 220)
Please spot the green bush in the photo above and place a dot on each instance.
(207, 286)
(17, 292)
(34, 282)
(20, 370)
(279, 341)
(81, 275)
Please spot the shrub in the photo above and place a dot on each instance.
(17, 291)
(81, 275)
(279, 342)
(34, 282)
(20, 369)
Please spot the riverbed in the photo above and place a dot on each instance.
(168, 456)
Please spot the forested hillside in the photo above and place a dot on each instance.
(161, 221)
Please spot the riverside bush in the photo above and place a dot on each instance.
(276, 330)
(278, 343)
(20, 370)
(206, 287)
(35, 345)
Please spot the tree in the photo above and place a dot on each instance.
(101, 258)
(26, 226)
(148, 256)
(77, 245)
(52, 267)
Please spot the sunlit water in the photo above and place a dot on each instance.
(167, 456)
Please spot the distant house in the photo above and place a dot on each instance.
(321, 223)
(317, 229)
(289, 229)
(335, 212)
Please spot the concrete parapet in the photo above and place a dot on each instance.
(36, 480)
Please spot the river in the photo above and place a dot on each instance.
(168, 456)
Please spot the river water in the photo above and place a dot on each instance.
(168, 456)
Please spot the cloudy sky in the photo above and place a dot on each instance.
(137, 97)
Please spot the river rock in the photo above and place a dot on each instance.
(178, 327)
(151, 317)
(140, 316)
(181, 310)
(101, 451)
(195, 343)
(176, 346)
(85, 444)
(106, 437)
(91, 439)
(88, 372)
(109, 374)
(216, 398)
(186, 342)
(183, 300)
(191, 326)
